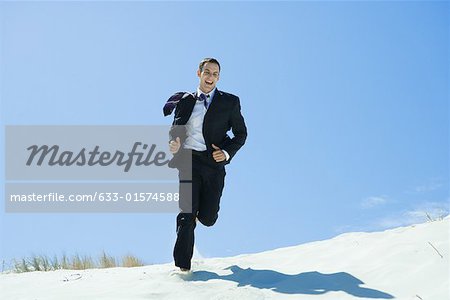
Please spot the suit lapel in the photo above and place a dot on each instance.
(186, 107)
(213, 104)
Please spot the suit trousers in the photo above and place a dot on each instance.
(205, 190)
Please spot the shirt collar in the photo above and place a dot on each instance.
(211, 94)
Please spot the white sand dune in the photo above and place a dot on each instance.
(404, 263)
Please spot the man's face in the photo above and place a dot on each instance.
(208, 77)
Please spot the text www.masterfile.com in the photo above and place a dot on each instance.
(93, 197)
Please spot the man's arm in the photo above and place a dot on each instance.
(239, 131)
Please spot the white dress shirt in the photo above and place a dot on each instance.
(194, 126)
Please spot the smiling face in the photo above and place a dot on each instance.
(209, 76)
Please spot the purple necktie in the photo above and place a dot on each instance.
(203, 98)
(172, 103)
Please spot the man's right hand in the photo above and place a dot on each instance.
(175, 145)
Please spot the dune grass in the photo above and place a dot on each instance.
(130, 261)
(75, 262)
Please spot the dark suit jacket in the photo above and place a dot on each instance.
(223, 114)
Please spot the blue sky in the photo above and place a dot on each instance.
(346, 103)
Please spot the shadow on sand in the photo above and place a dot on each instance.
(310, 283)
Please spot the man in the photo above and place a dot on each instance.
(208, 114)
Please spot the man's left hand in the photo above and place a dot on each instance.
(218, 154)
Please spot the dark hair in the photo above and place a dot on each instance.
(208, 60)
